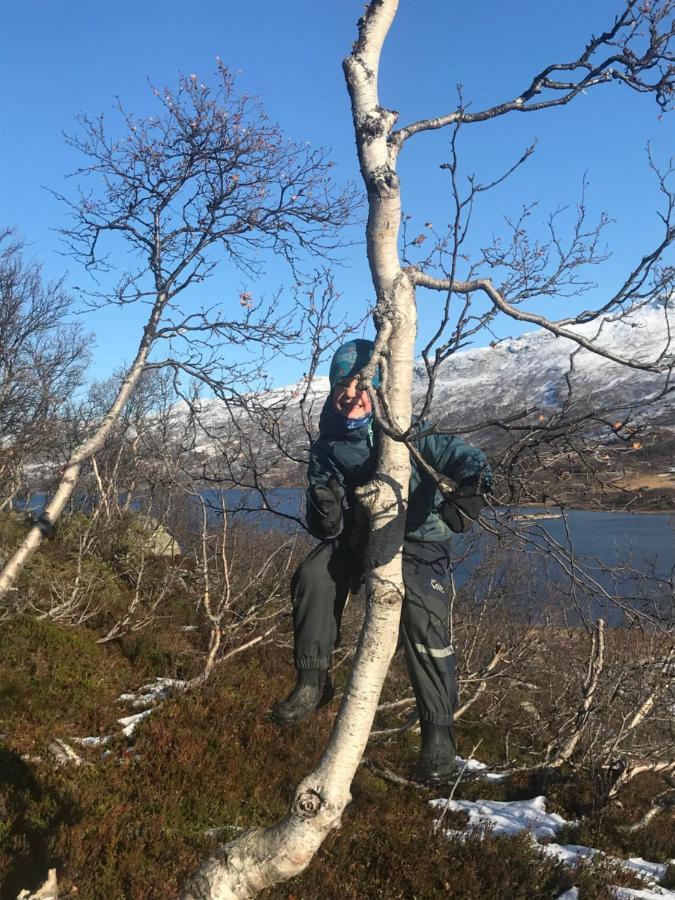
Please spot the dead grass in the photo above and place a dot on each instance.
(134, 822)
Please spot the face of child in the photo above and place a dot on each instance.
(349, 401)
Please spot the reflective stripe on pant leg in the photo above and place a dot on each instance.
(430, 658)
(319, 590)
(438, 653)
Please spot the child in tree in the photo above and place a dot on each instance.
(343, 458)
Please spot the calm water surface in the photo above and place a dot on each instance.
(615, 538)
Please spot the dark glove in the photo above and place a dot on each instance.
(324, 510)
(462, 508)
(486, 481)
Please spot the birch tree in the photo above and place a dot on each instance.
(42, 361)
(208, 173)
(633, 51)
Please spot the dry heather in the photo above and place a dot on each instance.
(135, 819)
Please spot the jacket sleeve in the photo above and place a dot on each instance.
(323, 472)
(451, 456)
(322, 466)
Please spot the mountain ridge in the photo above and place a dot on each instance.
(533, 369)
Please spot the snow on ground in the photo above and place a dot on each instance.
(99, 740)
(146, 699)
(511, 817)
(572, 853)
(508, 817)
(624, 893)
(474, 766)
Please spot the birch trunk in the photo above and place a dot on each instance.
(85, 451)
(261, 858)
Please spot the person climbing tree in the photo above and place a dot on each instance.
(342, 459)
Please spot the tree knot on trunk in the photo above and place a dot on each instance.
(375, 123)
(382, 183)
(384, 593)
(391, 598)
(385, 310)
(308, 804)
(388, 308)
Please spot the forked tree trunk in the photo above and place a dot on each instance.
(262, 857)
(85, 451)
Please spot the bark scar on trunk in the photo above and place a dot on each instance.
(308, 804)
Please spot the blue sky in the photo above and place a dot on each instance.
(62, 57)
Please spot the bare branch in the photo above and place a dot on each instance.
(634, 51)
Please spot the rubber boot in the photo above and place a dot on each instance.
(436, 764)
(312, 690)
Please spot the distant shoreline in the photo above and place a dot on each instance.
(589, 506)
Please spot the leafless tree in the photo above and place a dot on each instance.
(42, 361)
(208, 175)
(634, 51)
(258, 440)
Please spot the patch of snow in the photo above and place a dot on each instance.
(63, 754)
(470, 765)
(508, 817)
(146, 699)
(572, 853)
(624, 893)
(47, 891)
(478, 769)
(646, 869)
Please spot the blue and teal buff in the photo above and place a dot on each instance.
(350, 424)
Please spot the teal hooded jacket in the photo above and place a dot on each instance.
(350, 457)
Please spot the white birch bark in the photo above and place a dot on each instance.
(262, 857)
(85, 451)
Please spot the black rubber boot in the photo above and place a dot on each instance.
(312, 690)
(436, 764)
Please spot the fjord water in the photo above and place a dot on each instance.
(587, 554)
(542, 556)
(613, 537)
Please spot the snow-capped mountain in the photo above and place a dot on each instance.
(533, 371)
(538, 368)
